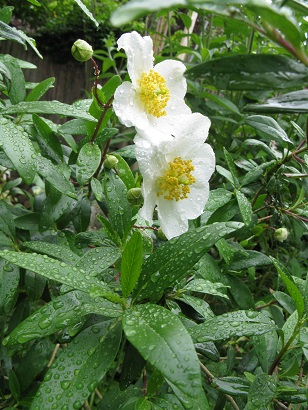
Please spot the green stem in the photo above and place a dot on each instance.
(101, 118)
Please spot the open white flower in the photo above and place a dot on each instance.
(155, 92)
(176, 169)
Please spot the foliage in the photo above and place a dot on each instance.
(98, 310)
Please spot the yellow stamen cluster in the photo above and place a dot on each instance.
(175, 183)
(154, 93)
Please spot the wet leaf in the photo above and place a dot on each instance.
(88, 161)
(131, 263)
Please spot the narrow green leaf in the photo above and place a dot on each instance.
(231, 166)
(47, 139)
(162, 340)
(9, 281)
(47, 107)
(238, 323)
(97, 189)
(55, 176)
(291, 286)
(266, 347)
(236, 386)
(240, 292)
(245, 207)
(61, 272)
(65, 310)
(56, 251)
(89, 159)
(248, 259)
(131, 263)
(171, 261)
(124, 172)
(268, 126)
(107, 228)
(14, 385)
(11, 33)
(205, 286)
(80, 366)
(87, 12)
(19, 149)
(40, 89)
(293, 102)
(119, 208)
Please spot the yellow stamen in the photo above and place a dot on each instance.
(154, 93)
(175, 183)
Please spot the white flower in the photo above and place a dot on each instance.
(155, 92)
(176, 169)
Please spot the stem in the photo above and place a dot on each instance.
(96, 73)
(101, 118)
(285, 348)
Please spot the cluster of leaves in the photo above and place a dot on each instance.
(98, 311)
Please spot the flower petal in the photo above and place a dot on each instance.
(173, 223)
(139, 51)
(127, 107)
(173, 73)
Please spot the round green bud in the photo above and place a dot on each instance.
(110, 162)
(281, 234)
(134, 196)
(82, 51)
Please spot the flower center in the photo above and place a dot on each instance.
(175, 183)
(154, 93)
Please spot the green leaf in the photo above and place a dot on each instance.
(47, 139)
(97, 189)
(56, 251)
(199, 305)
(89, 159)
(291, 286)
(17, 89)
(9, 281)
(171, 261)
(245, 207)
(266, 347)
(231, 166)
(262, 383)
(79, 367)
(19, 149)
(65, 310)
(268, 126)
(61, 272)
(14, 385)
(131, 263)
(136, 8)
(251, 72)
(124, 172)
(239, 323)
(293, 102)
(236, 386)
(74, 127)
(205, 286)
(107, 228)
(248, 259)
(240, 292)
(55, 176)
(11, 33)
(119, 208)
(163, 341)
(87, 12)
(47, 107)
(97, 260)
(221, 102)
(40, 89)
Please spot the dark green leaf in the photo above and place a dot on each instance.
(266, 347)
(293, 102)
(248, 259)
(47, 139)
(97, 189)
(131, 263)
(235, 386)
(17, 89)
(19, 149)
(124, 172)
(56, 251)
(245, 207)
(163, 341)
(240, 292)
(173, 259)
(80, 366)
(239, 323)
(14, 385)
(87, 12)
(9, 280)
(99, 259)
(268, 126)
(251, 72)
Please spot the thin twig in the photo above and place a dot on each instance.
(53, 354)
(98, 393)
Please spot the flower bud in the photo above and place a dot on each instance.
(281, 234)
(161, 235)
(110, 162)
(82, 51)
(134, 196)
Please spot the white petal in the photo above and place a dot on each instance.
(128, 108)
(139, 51)
(173, 223)
(173, 73)
(150, 196)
